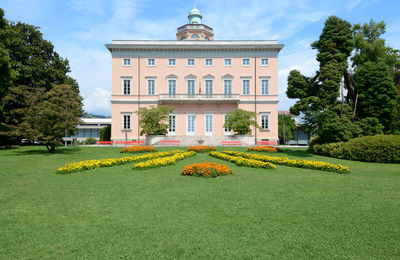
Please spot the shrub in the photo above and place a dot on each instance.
(206, 169)
(137, 149)
(201, 148)
(105, 133)
(377, 148)
(90, 140)
(266, 148)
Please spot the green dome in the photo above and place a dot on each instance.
(195, 16)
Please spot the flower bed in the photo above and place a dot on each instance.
(266, 148)
(137, 149)
(201, 148)
(242, 161)
(164, 161)
(93, 164)
(206, 169)
(316, 165)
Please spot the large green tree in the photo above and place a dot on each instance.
(240, 121)
(49, 115)
(154, 121)
(286, 128)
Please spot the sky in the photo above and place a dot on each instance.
(79, 29)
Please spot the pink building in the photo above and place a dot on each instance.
(200, 78)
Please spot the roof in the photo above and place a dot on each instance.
(96, 120)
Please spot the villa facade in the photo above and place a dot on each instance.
(202, 79)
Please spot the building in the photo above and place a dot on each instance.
(302, 138)
(90, 127)
(201, 78)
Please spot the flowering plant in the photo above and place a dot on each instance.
(201, 148)
(266, 148)
(206, 169)
(137, 149)
(242, 161)
(162, 161)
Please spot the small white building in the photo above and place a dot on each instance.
(90, 127)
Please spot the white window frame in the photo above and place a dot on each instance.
(228, 65)
(168, 87)
(124, 114)
(154, 86)
(209, 59)
(172, 132)
(169, 62)
(206, 114)
(187, 123)
(223, 85)
(149, 63)
(126, 65)
(191, 65)
(187, 86)
(123, 78)
(246, 64)
(224, 114)
(248, 79)
(268, 121)
(261, 86)
(261, 62)
(205, 86)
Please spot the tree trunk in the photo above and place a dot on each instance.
(349, 86)
(51, 148)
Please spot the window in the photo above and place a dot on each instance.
(246, 87)
(227, 62)
(264, 62)
(227, 131)
(126, 62)
(151, 87)
(191, 123)
(227, 86)
(190, 62)
(209, 87)
(264, 86)
(151, 62)
(126, 86)
(195, 36)
(264, 121)
(190, 87)
(209, 62)
(172, 124)
(171, 62)
(246, 62)
(126, 122)
(172, 87)
(209, 118)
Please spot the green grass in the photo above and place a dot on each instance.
(157, 213)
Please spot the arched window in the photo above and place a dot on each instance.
(195, 36)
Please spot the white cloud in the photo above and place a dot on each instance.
(98, 101)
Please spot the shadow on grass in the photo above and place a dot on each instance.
(296, 153)
(43, 151)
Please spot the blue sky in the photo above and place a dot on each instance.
(79, 29)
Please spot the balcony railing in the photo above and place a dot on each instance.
(199, 97)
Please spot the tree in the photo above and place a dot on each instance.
(105, 133)
(240, 121)
(154, 121)
(287, 128)
(49, 115)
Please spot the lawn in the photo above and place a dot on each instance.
(158, 213)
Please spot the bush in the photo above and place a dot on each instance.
(105, 133)
(206, 169)
(137, 149)
(266, 148)
(90, 140)
(377, 148)
(201, 148)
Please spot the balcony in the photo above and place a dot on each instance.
(199, 98)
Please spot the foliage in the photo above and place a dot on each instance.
(287, 128)
(339, 129)
(163, 161)
(201, 148)
(105, 133)
(240, 121)
(315, 165)
(154, 121)
(137, 149)
(90, 140)
(378, 148)
(48, 115)
(206, 169)
(266, 148)
(93, 164)
(370, 126)
(377, 93)
(240, 161)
